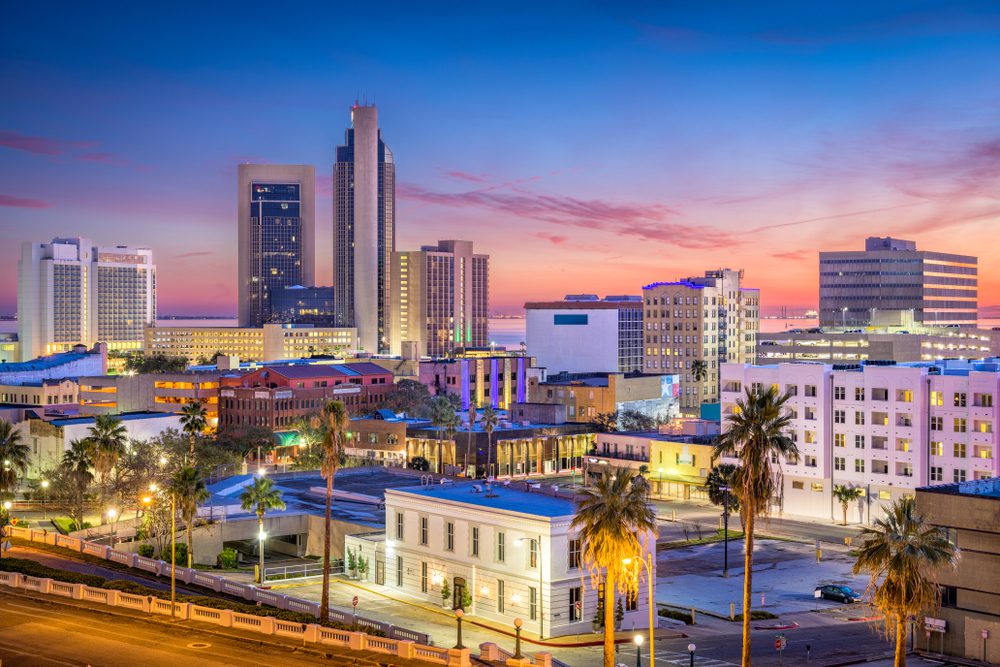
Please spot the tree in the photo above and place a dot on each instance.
(156, 363)
(756, 432)
(605, 422)
(409, 396)
(902, 554)
(720, 477)
(14, 457)
(68, 486)
(614, 519)
(259, 497)
(188, 487)
(845, 495)
(108, 439)
(420, 463)
(490, 422)
(194, 420)
(335, 422)
(442, 414)
(699, 370)
(633, 420)
(470, 421)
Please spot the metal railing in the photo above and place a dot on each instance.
(304, 571)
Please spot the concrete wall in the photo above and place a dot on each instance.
(574, 348)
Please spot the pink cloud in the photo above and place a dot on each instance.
(40, 145)
(22, 202)
(554, 238)
(103, 158)
(465, 176)
(201, 253)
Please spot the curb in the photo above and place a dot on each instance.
(783, 626)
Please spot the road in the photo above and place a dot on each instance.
(36, 632)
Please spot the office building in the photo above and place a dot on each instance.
(881, 427)
(587, 395)
(713, 319)
(304, 305)
(276, 231)
(271, 342)
(47, 394)
(154, 392)
(440, 299)
(512, 552)
(891, 274)
(364, 229)
(967, 623)
(71, 292)
(584, 334)
(497, 380)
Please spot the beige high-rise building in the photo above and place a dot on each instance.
(364, 229)
(71, 292)
(276, 234)
(440, 299)
(713, 319)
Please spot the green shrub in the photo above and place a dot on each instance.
(756, 615)
(676, 615)
(180, 554)
(66, 526)
(35, 569)
(226, 560)
(146, 550)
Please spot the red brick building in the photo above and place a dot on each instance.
(276, 397)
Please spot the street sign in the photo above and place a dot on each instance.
(780, 642)
(985, 634)
(5, 546)
(935, 624)
(817, 594)
(13, 521)
(355, 601)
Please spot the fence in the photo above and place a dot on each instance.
(305, 632)
(214, 582)
(286, 572)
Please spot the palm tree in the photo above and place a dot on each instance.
(471, 422)
(614, 520)
(76, 463)
(450, 431)
(335, 420)
(14, 457)
(490, 421)
(846, 494)
(188, 487)
(699, 370)
(194, 419)
(259, 497)
(903, 554)
(721, 477)
(756, 432)
(442, 413)
(108, 439)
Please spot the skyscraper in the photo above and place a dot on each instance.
(364, 229)
(276, 234)
(440, 299)
(891, 274)
(71, 292)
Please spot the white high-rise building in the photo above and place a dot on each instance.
(364, 229)
(71, 292)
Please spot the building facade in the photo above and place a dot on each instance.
(276, 229)
(583, 334)
(497, 380)
(304, 305)
(364, 229)
(891, 274)
(71, 292)
(77, 361)
(159, 392)
(277, 397)
(271, 342)
(513, 553)
(967, 623)
(712, 319)
(587, 395)
(440, 299)
(882, 428)
(62, 393)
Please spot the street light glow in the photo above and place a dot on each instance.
(7, 505)
(262, 535)
(45, 483)
(638, 639)
(112, 513)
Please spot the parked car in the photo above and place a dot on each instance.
(839, 593)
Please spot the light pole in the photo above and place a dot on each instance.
(261, 536)
(112, 517)
(458, 617)
(691, 648)
(517, 639)
(45, 499)
(638, 650)
(725, 523)
(648, 564)
(173, 557)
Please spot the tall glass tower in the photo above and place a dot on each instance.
(276, 235)
(364, 229)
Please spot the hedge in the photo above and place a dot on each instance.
(35, 569)
(676, 615)
(756, 615)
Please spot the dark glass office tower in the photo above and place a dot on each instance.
(364, 229)
(276, 232)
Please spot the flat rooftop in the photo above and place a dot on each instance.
(979, 488)
(507, 499)
(124, 416)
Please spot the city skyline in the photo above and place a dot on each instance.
(651, 143)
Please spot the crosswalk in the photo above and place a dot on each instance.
(681, 659)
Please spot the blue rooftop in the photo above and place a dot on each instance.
(42, 363)
(125, 417)
(507, 499)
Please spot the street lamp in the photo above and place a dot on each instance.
(458, 617)
(112, 515)
(648, 564)
(45, 498)
(691, 648)
(517, 639)
(261, 536)
(638, 650)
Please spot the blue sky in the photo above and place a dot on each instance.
(585, 146)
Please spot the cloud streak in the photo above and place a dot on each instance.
(22, 202)
(41, 145)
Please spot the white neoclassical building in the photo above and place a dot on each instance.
(514, 554)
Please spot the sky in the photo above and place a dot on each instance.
(586, 147)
